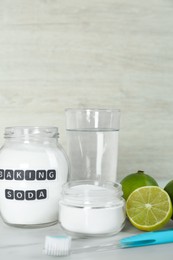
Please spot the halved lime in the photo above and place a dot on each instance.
(149, 208)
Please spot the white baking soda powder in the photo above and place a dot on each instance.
(33, 169)
(91, 210)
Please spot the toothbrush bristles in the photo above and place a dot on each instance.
(57, 245)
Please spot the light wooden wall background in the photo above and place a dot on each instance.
(56, 54)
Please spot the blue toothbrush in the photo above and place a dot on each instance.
(148, 238)
(61, 245)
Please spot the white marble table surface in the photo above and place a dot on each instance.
(27, 244)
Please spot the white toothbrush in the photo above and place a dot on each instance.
(61, 245)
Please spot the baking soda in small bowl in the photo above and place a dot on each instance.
(88, 208)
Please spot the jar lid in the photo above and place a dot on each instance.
(91, 193)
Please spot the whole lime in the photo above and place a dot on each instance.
(169, 189)
(136, 180)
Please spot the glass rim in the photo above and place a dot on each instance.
(114, 186)
(110, 193)
(19, 131)
(96, 118)
(31, 127)
(93, 109)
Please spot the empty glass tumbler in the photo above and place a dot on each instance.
(92, 143)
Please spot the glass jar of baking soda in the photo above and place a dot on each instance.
(91, 208)
(33, 168)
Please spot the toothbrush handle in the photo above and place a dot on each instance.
(148, 238)
(97, 248)
(144, 239)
